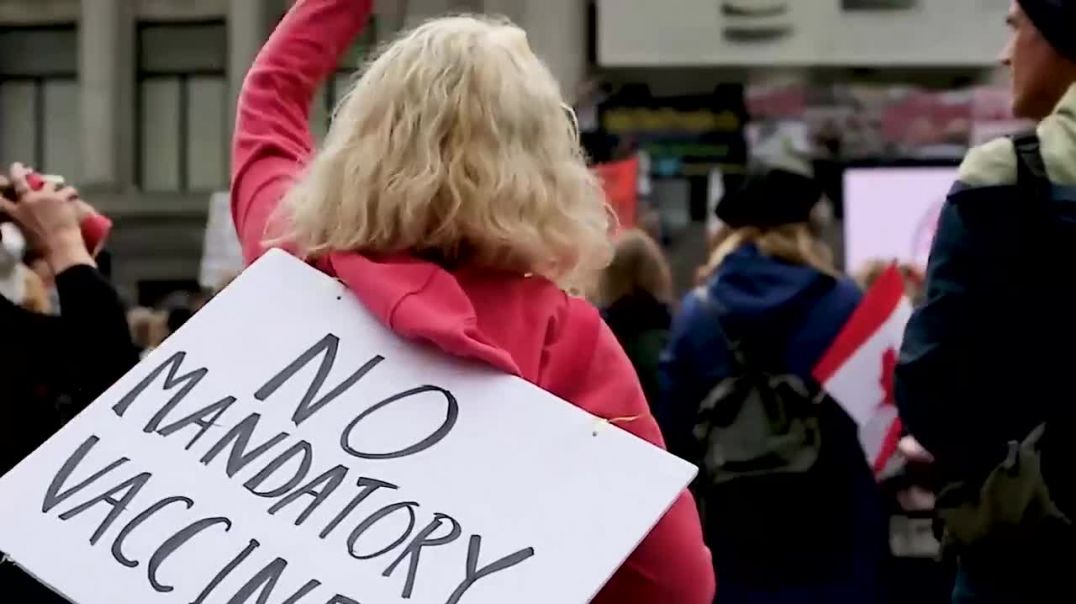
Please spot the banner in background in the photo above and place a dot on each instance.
(683, 135)
(853, 122)
(284, 446)
(858, 369)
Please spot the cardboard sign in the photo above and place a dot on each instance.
(284, 446)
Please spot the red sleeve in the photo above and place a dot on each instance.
(672, 565)
(272, 133)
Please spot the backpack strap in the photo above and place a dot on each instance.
(1039, 234)
(1031, 172)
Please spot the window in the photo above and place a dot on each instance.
(182, 106)
(40, 100)
(338, 85)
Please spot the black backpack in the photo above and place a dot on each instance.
(760, 420)
(774, 451)
(1011, 509)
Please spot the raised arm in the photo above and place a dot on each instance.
(272, 133)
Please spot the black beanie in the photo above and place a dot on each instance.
(1056, 20)
(770, 198)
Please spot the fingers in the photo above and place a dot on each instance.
(7, 192)
(68, 193)
(7, 206)
(19, 174)
(27, 181)
(83, 209)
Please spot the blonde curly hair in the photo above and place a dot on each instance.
(454, 144)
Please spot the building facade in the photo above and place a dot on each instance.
(133, 101)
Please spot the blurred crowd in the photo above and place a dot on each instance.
(786, 502)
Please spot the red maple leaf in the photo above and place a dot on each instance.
(889, 369)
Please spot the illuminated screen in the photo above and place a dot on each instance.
(891, 213)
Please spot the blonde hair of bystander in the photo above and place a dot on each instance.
(792, 243)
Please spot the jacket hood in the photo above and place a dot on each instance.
(753, 287)
(419, 300)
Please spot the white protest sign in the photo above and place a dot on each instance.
(284, 447)
(222, 254)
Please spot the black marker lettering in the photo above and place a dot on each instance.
(239, 457)
(414, 549)
(319, 488)
(53, 495)
(265, 582)
(474, 573)
(172, 380)
(338, 599)
(305, 589)
(227, 570)
(204, 418)
(326, 348)
(373, 519)
(369, 485)
(300, 448)
(129, 488)
(117, 544)
(451, 414)
(175, 542)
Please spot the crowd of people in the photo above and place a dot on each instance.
(453, 198)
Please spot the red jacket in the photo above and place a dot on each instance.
(524, 326)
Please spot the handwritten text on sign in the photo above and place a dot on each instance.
(284, 447)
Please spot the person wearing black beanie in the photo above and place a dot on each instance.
(984, 378)
(1041, 54)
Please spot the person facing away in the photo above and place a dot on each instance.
(772, 292)
(987, 359)
(452, 198)
(634, 292)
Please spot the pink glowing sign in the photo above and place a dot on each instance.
(892, 213)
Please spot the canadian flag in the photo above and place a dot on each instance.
(857, 370)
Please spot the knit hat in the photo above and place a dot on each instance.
(770, 197)
(1056, 20)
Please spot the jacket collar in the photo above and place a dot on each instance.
(1067, 104)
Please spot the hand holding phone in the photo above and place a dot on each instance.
(93, 226)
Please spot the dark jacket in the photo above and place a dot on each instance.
(641, 323)
(837, 536)
(989, 354)
(53, 367)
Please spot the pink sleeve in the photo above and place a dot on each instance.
(672, 565)
(272, 134)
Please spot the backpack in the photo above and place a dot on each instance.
(1011, 508)
(774, 491)
(759, 421)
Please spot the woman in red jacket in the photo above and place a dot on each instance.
(452, 198)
